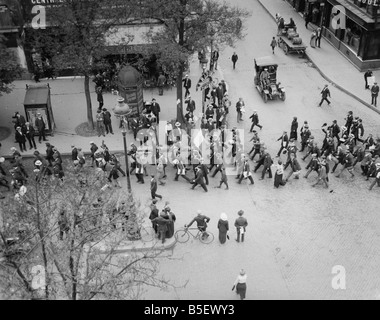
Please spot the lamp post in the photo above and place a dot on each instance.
(121, 111)
(124, 132)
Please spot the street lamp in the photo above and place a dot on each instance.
(121, 111)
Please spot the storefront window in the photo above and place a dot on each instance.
(350, 36)
(373, 51)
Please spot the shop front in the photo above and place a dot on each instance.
(354, 31)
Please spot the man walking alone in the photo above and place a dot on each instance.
(325, 93)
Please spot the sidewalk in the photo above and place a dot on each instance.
(332, 65)
(69, 110)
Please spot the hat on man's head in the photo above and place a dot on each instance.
(38, 163)
(242, 272)
(2, 159)
(104, 109)
(92, 142)
(177, 124)
(154, 201)
(199, 211)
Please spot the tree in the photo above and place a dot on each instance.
(77, 37)
(190, 26)
(40, 265)
(9, 68)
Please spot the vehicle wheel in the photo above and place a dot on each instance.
(283, 96)
(286, 49)
(147, 234)
(182, 236)
(207, 240)
(255, 81)
(265, 97)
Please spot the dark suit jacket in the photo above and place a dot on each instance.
(255, 118)
(325, 93)
(29, 132)
(155, 108)
(40, 124)
(20, 137)
(187, 83)
(199, 177)
(153, 185)
(284, 138)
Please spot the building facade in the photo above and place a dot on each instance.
(351, 26)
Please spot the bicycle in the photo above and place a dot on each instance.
(183, 235)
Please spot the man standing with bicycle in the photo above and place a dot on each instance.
(201, 221)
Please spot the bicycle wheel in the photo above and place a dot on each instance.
(182, 236)
(208, 239)
(147, 234)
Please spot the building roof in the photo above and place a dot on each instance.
(265, 61)
(36, 95)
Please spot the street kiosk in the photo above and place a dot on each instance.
(37, 100)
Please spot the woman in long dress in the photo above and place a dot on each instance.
(240, 284)
(279, 174)
(170, 227)
(223, 228)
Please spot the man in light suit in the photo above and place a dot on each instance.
(187, 85)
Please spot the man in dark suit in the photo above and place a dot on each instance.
(40, 124)
(74, 153)
(187, 85)
(107, 121)
(49, 153)
(255, 121)
(190, 104)
(155, 108)
(29, 133)
(334, 130)
(199, 179)
(284, 142)
(215, 58)
(20, 138)
(154, 187)
(20, 120)
(375, 93)
(204, 169)
(220, 94)
(162, 226)
(325, 93)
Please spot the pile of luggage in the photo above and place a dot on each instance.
(293, 36)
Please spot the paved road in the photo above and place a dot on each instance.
(296, 234)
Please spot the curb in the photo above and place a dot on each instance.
(326, 77)
(169, 244)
